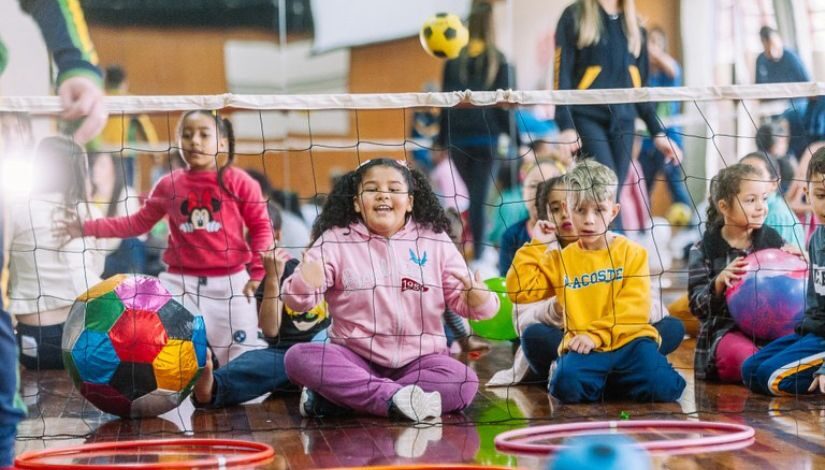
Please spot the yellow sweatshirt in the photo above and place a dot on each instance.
(605, 293)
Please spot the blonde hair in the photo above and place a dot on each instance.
(590, 181)
(590, 25)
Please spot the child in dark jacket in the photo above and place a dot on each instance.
(793, 364)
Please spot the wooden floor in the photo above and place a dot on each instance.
(790, 431)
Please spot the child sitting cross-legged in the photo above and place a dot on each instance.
(383, 260)
(602, 288)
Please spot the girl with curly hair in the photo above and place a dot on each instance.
(382, 258)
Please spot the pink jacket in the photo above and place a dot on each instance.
(387, 295)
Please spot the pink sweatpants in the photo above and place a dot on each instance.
(733, 350)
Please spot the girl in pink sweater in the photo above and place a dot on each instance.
(383, 261)
(208, 207)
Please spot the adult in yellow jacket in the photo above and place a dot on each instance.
(602, 289)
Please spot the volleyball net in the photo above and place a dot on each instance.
(300, 144)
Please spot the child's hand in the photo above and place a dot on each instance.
(475, 292)
(794, 250)
(274, 262)
(250, 288)
(71, 228)
(818, 383)
(312, 272)
(545, 232)
(581, 344)
(668, 148)
(732, 273)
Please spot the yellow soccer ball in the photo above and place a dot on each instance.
(444, 35)
(679, 214)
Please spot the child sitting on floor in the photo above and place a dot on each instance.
(602, 288)
(382, 258)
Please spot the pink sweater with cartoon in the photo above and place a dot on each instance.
(206, 225)
(386, 296)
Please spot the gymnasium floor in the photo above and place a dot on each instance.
(790, 432)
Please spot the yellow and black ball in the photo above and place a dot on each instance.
(444, 35)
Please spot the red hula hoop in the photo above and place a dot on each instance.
(256, 453)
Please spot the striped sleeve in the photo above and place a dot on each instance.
(64, 29)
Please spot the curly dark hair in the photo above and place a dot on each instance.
(339, 210)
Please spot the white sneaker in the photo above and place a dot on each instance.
(303, 402)
(416, 404)
(412, 442)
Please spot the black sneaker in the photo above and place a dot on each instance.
(313, 405)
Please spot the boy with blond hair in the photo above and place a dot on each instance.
(602, 288)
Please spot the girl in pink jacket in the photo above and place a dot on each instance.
(382, 259)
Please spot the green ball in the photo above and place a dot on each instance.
(500, 327)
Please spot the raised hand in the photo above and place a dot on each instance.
(475, 292)
(312, 272)
(274, 262)
(544, 232)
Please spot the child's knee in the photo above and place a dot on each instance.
(667, 390)
(296, 364)
(467, 393)
(749, 372)
(566, 386)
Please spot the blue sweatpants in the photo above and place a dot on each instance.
(785, 366)
(250, 375)
(540, 342)
(636, 371)
(12, 410)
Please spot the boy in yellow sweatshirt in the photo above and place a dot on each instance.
(602, 289)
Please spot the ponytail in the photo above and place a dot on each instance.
(226, 130)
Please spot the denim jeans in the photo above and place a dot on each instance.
(250, 375)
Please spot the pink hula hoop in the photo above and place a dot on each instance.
(734, 436)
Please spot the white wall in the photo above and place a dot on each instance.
(27, 73)
(28, 69)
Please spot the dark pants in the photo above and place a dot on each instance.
(653, 162)
(609, 143)
(128, 258)
(636, 371)
(40, 346)
(475, 165)
(540, 343)
(12, 410)
(250, 375)
(785, 366)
